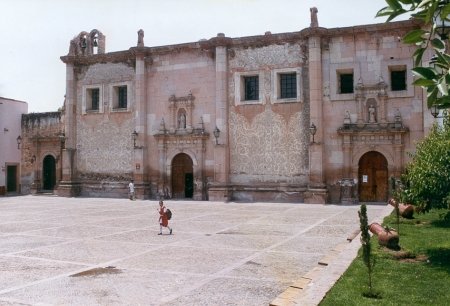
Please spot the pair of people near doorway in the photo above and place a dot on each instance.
(163, 219)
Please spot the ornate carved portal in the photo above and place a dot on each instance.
(181, 150)
(371, 129)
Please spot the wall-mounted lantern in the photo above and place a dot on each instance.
(313, 130)
(434, 111)
(19, 141)
(134, 136)
(33, 159)
(442, 25)
(216, 133)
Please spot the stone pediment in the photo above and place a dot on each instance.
(373, 134)
(181, 127)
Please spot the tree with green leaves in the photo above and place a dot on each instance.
(434, 14)
(427, 177)
(367, 256)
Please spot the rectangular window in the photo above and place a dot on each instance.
(288, 85)
(398, 80)
(93, 99)
(251, 88)
(122, 96)
(345, 83)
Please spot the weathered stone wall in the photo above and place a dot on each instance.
(263, 150)
(40, 137)
(180, 74)
(268, 149)
(104, 143)
(105, 150)
(268, 140)
(370, 58)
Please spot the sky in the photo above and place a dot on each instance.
(35, 33)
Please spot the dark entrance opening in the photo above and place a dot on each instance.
(373, 177)
(182, 176)
(49, 173)
(11, 178)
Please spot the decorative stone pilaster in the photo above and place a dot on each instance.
(316, 176)
(69, 187)
(141, 149)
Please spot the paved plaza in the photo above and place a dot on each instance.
(97, 251)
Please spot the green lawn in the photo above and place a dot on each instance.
(421, 277)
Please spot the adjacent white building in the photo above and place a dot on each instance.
(10, 144)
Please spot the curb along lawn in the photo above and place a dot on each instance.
(418, 274)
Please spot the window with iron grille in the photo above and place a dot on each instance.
(288, 85)
(345, 83)
(251, 88)
(398, 80)
(122, 97)
(94, 95)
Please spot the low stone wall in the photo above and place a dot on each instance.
(105, 189)
(284, 194)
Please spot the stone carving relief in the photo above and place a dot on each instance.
(268, 149)
(314, 20)
(279, 55)
(372, 117)
(182, 119)
(326, 89)
(347, 118)
(372, 111)
(181, 109)
(140, 42)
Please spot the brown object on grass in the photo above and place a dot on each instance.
(386, 237)
(405, 210)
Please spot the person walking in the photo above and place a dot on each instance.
(163, 220)
(131, 193)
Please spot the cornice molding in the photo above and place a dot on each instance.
(250, 41)
(112, 57)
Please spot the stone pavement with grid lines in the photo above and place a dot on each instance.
(98, 251)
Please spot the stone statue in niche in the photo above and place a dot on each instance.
(372, 117)
(314, 21)
(182, 121)
(198, 183)
(347, 117)
(398, 116)
(140, 42)
(398, 119)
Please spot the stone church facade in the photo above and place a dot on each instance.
(320, 115)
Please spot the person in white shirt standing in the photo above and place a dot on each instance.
(131, 193)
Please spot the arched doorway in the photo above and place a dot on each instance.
(182, 176)
(49, 173)
(373, 177)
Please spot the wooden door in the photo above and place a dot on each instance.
(373, 177)
(182, 176)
